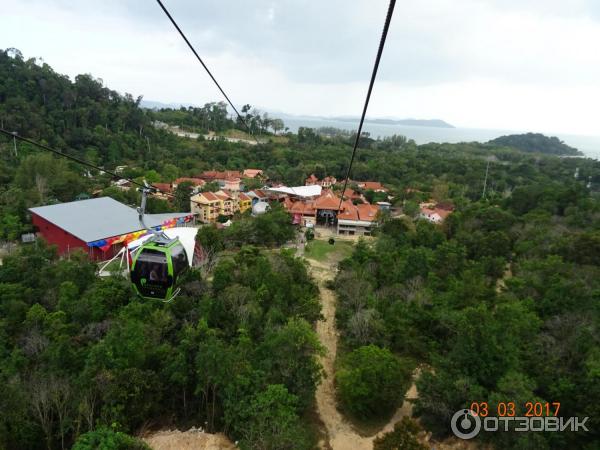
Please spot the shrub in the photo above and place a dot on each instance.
(105, 439)
(372, 381)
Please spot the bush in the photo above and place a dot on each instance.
(105, 439)
(404, 436)
(273, 422)
(372, 381)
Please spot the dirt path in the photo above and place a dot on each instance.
(501, 283)
(341, 434)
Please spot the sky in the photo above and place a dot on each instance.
(530, 65)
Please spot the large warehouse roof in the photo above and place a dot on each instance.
(98, 218)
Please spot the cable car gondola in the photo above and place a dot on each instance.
(158, 264)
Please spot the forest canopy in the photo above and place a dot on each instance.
(536, 143)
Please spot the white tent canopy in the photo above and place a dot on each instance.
(186, 235)
(299, 191)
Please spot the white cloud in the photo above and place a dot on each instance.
(528, 64)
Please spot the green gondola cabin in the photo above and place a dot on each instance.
(157, 268)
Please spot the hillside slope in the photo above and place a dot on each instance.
(536, 143)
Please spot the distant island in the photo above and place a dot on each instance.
(536, 143)
(434, 123)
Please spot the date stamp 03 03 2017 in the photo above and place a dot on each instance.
(536, 417)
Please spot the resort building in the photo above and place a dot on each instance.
(357, 220)
(326, 182)
(244, 202)
(326, 210)
(371, 186)
(435, 213)
(206, 206)
(197, 183)
(254, 173)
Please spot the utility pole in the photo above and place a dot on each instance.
(485, 180)
(148, 144)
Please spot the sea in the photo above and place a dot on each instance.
(589, 145)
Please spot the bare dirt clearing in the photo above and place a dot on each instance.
(188, 440)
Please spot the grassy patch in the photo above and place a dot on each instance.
(323, 251)
(238, 134)
(279, 139)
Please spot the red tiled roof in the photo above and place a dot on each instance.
(445, 206)
(367, 212)
(194, 181)
(442, 210)
(217, 175)
(242, 196)
(252, 173)
(287, 203)
(224, 194)
(301, 207)
(233, 174)
(312, 178)
(371, 185)
(352, 194)
(164, 187)
(327, 200)
(349, 214)
(364, 212)
(443, 213)
(210, 196)
(208, 175)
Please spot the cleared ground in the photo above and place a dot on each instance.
(188, 440)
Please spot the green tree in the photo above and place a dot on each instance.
(10, 227)
(182, 193)
(211, 241)
(273, 422)
(106, 439)
(290, 355)
(405, 436)
(371, 381)
(411, 208)
(212, 186)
